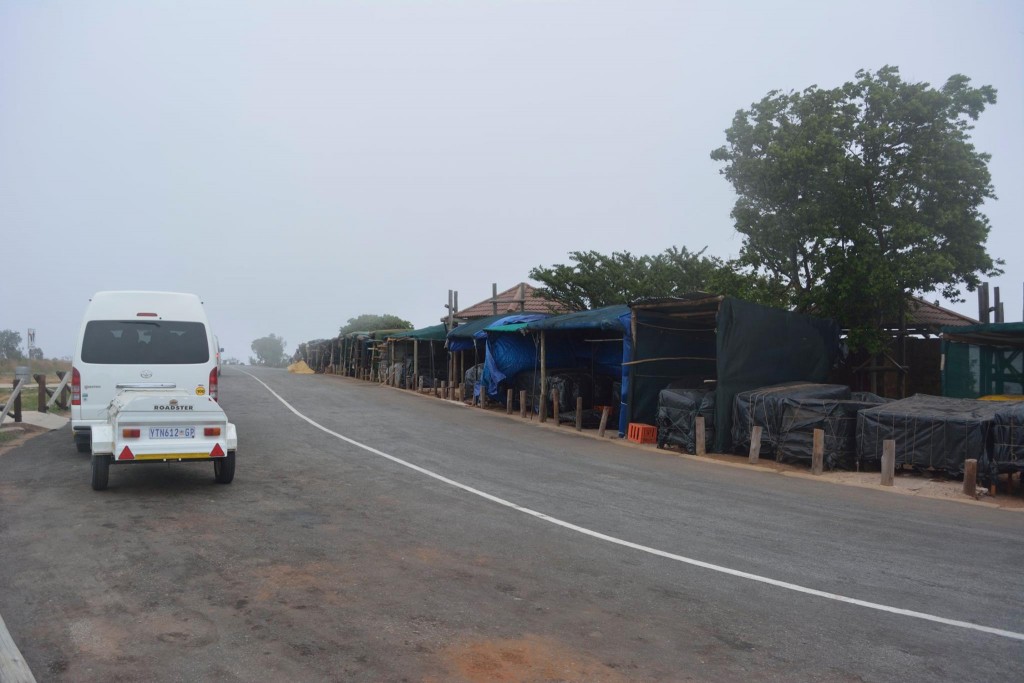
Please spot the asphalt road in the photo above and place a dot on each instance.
(327, 561)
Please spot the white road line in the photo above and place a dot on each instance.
(647, 549)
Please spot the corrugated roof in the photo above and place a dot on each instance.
(921, 313)
(509, 302)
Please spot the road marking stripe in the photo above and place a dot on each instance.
(647, 549)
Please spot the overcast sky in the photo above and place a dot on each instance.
(298, 164)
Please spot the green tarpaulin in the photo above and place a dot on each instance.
(983, 360)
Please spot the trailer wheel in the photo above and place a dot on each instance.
(100, 472)
(224, 468)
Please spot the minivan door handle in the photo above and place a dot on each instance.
(147, 385)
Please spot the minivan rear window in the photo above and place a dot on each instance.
(136, 342)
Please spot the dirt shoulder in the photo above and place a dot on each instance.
(1009, 494)
(14, 435)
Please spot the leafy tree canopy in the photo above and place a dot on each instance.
(856, 197)
(9, 343)
(594, 280)
(368, 323)
(269, 351)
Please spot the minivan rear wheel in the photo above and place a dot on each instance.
(100, 472)
(224, 468)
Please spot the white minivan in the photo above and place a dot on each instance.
(138, 340)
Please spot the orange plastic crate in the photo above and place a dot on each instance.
(641, 433)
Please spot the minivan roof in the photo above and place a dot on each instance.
(128, 304)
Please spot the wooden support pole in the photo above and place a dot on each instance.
(818, 452)
(605, 412)
(41, 387)
(755, 444)
(700, 446)
(579, 413)
(543, 377)
(62, 400)
(483, 395)
(522, 403)
(555, 406)
(888, 462)
(508, 402)
(462, 392)
(971, 478)
(17, 400)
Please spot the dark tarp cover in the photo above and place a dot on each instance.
(764, 407)
(433, 333)
(607, 359)
(741, 344)
(678, 409)
(466, 336)
(838, 421)
(930, 431)
(605, 318)
(596, 390)
(1007, 440)
(510, 354)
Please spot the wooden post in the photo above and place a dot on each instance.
(483, 395)
(522, 403)
(555, 398)
(415, 357)
(543, 377)
(970, 478)
(579, 413)
(700, 449)
(605, 412)
(888, 462)
(755, 444)
(818, 452)
(62, 400)
(17, 401)
(508, 402)
(41, 399)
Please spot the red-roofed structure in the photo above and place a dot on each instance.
(522, 298)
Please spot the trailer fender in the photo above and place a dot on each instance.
(102, 440)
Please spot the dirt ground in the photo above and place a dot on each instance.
(14, 435)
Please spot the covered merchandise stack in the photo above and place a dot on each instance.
(1007, 454)
(931, 432)
(678, 409)
(764, 408)
(836, 418)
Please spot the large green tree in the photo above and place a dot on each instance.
(269, 351)
(369, 322)
(593, 280)
(858, 196)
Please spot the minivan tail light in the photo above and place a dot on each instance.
(213, 383)
(76, 387)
